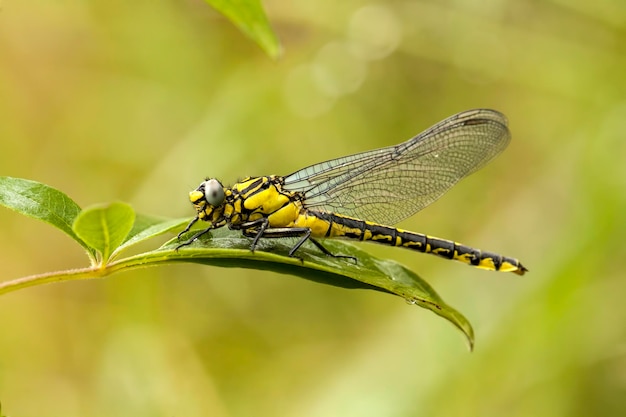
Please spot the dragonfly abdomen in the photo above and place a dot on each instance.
(356, 229)
(459, 252)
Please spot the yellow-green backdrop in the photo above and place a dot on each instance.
(139, 101)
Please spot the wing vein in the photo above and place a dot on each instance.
(390, 184)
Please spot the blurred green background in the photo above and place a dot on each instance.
(139, 101)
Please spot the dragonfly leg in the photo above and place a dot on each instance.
(191, 223)
(255, 229)
(275, 233)
(304, 233)
(194, 237)
(329, 253)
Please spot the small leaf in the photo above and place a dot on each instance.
(41, 202)
(105, 227)
(146, 227)
(249, 17)
(230, 249)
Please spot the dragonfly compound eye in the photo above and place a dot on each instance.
(213, 192)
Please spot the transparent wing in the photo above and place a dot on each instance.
(390, 184)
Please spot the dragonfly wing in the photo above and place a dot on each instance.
(390, 184)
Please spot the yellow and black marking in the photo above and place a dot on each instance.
(342, 226)
(330, 199)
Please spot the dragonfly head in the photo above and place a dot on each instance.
(208, 199)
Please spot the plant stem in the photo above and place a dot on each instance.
(57, 276)
(93, 272)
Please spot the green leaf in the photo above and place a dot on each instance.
(109, 228)
(146, 227)
(41, 202)
(104, 227)
(249, 17)
(230, 249)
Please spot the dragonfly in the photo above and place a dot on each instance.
(359, 197)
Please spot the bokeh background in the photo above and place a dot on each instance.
(139, 101)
